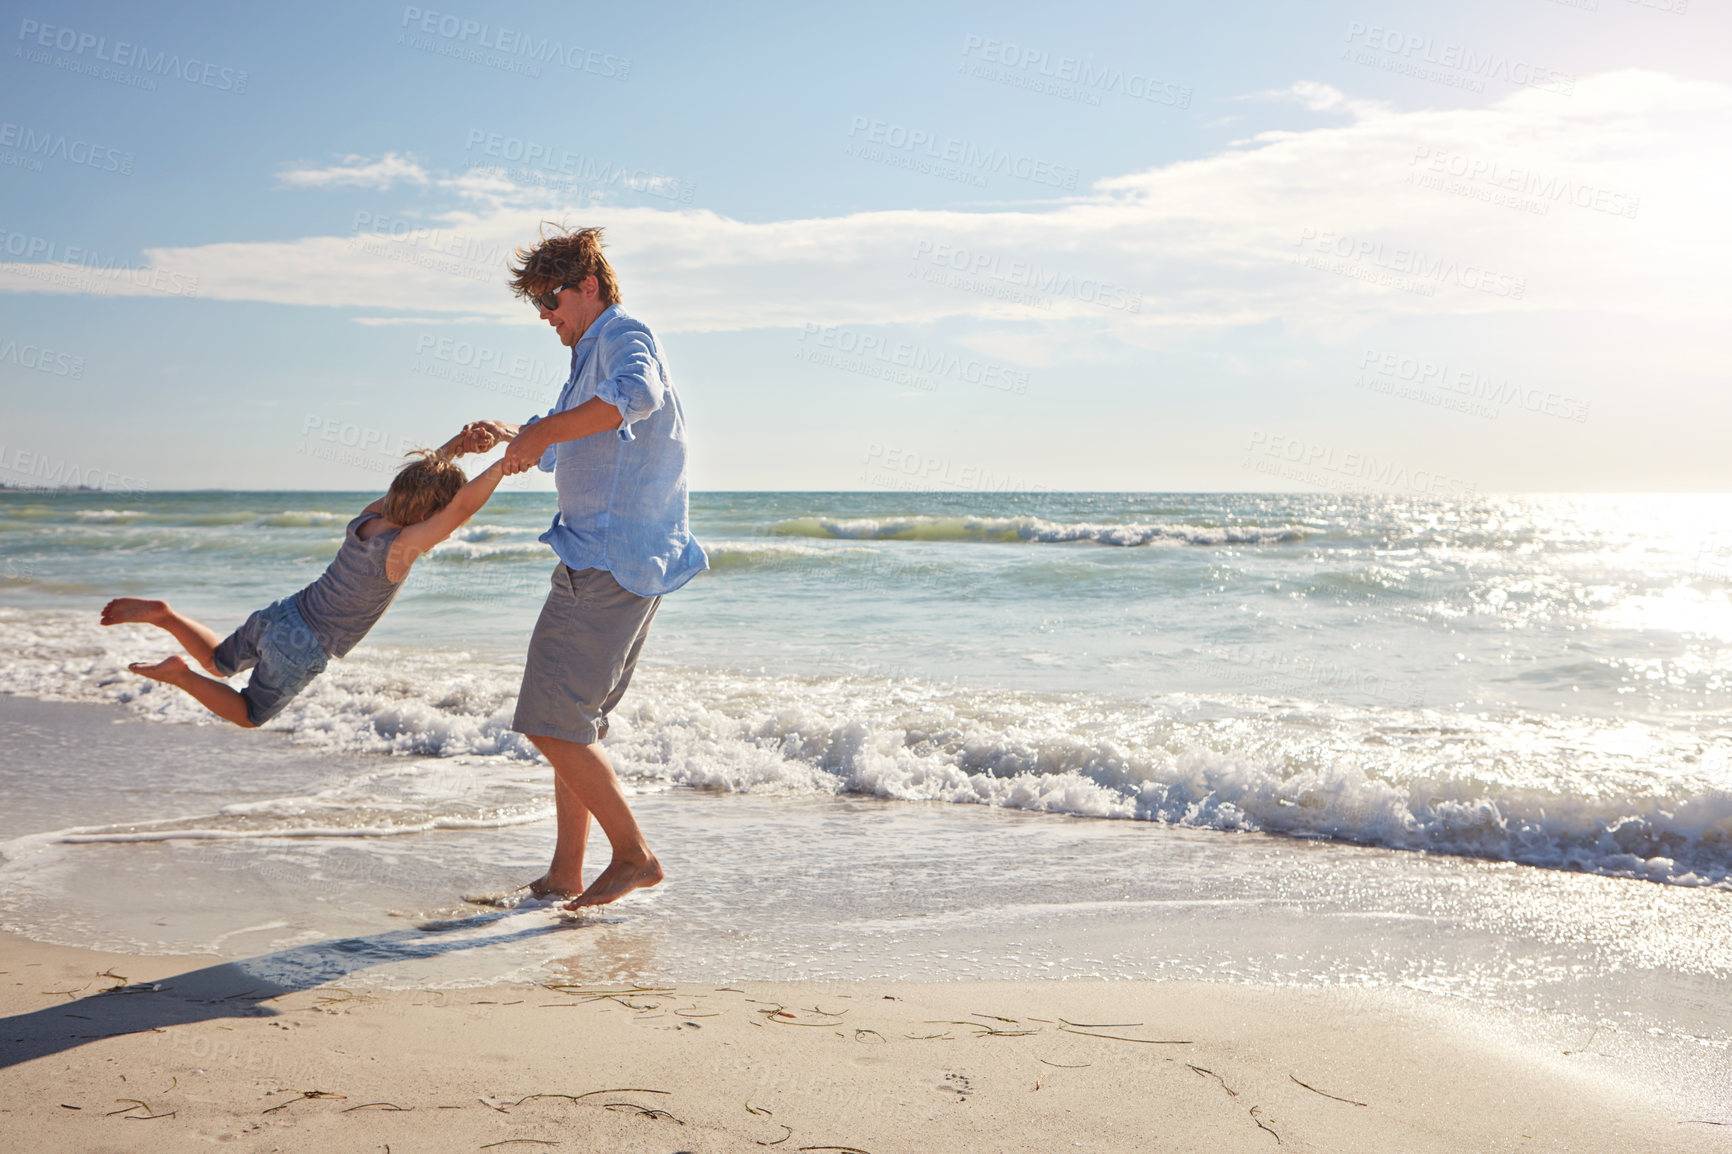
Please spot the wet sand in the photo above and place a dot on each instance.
(107, 1052)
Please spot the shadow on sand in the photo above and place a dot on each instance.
(241, 989)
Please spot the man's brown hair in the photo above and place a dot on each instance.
(422, 487)
(564, 259)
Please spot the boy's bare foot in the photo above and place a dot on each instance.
(124, 609)
(618, 880)
(169, 669)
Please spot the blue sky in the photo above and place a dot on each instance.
(1394, 247)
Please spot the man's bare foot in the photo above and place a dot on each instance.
(542, 888)
(170, 669)
(618, 880)
(124, 609)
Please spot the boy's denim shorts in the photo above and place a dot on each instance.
(280, 649)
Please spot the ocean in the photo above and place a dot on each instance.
(1476, 749)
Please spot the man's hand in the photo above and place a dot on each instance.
(474, 439)
(525, 451)
(498, 430)
(466, 441)
(477, 437)
(529, 442)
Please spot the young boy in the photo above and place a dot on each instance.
(287, 643)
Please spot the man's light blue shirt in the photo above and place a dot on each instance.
(622, 499)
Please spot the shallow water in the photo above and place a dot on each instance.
(1407, 734)
(1625, 975)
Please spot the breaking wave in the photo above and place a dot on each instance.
(1031, 530)
(1539, 790)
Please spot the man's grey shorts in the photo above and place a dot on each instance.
(582, 655)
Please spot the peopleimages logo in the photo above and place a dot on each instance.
(969, 158)
(1421, 268)
(510, 42)
(83, 268)
(437, 249)
(1388, 372)
(1524, 181)
(42, 359)
(1022, 282)
(89, 47)
(480, 366)
(859, 349)
(537, 158)
(1416, 52)
(1262, 667)
(890, 466)
(43, 145)
(46, 471)
(1068, 77)
(357, 446)
(1297, 459)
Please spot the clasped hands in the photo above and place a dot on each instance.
(524, 451)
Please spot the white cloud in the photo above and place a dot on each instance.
(423, 322)
(357, 172)
(1317, 97)
(1528, 190)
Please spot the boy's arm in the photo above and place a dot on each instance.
(469, 439)
(416, 539)
(475, 437)
(455, 446)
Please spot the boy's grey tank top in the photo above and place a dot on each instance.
(352, 593)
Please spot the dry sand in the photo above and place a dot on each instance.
(211, 1058)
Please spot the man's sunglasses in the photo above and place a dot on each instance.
(548, 300)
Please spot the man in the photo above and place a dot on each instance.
(616, 445)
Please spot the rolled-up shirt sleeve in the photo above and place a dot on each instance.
(634, 383)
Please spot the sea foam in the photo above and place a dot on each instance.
(1566, 793)
(1032, 530)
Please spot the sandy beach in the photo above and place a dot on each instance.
(107, 1052)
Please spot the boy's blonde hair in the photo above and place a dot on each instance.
(422, 487)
